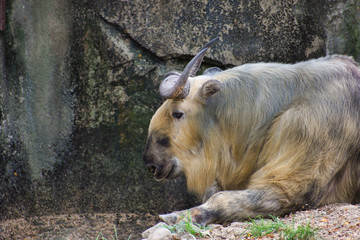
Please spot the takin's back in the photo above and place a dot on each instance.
(265, 89)
(287, 122)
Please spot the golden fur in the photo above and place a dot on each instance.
(291, 129)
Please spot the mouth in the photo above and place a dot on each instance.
(172, 171)
(160, 175)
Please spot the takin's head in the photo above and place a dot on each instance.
(176, 127)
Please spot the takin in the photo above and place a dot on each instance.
(259, 139)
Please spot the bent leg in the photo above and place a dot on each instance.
(228, 206)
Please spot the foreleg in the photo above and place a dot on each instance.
(229, 206)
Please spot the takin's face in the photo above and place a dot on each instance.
(159, 154)
(175, 129)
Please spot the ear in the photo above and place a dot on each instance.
(212, 71)
(209, 88)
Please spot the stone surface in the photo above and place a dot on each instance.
(36, 101)
(343, 31)
(250, 31)
(188, 237)
(160, 234)
(149, 231)
(76, 100)
(79, 80)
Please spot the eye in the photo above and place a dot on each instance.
(177, 115)
(165, 141)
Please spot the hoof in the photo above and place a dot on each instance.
(170, 218)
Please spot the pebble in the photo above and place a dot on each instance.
(161, 234)
(188, 237)
(149, 231)
(175, 237)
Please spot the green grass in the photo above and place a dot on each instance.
(257, 228)
(186, 225)
(260, 227)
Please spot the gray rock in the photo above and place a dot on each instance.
(160, 234)
(250, 31)
(188, 237)
(149, 231)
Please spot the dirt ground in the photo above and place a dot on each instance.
(77, 226)
(339, 221)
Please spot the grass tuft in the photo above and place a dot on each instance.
(260, 228)
(186, 225)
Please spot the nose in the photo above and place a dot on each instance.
(152, 167)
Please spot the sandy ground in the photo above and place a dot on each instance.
(339, 221)
(77, 226)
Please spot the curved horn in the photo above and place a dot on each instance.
(196, 67)
(211, 43)
(175, 86)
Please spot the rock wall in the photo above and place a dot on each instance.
(36, 101)
(79, 85)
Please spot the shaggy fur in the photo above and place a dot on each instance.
(263, 138)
